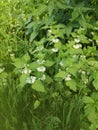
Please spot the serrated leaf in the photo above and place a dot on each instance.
(73, 70)
(26, 57)
(58, 45)
(33, 65)
(92, 116)
(48, 63)
(19, 63)
(60, 74)
(33, 35)
(95, 37)
(38, 86)
(95, 83)
(23, 78)
(90, 112)
(75, 14)
(68, 30)
(41, 9)
(72, 84)
(49, 80)
(36, 104)
(3, 75)
(87, 99)
(30, 25)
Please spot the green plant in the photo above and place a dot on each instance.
(49, 65)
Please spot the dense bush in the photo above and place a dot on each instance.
(49, 65)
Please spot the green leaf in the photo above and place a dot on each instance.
(19, 63)
(3, 75)
(48, 63)
(38, 86)
(95, 83)
(75, 14)
(73, 70)
(23, 78)
(49, 80)
(87, 99)
(60, 74)
(90, 112)
(72, 84)
(36, 104)
(95, 37)
(33, 35)
(41, 9)
(26, 57)
(30, 25)
(33, 65)
(58, 45)
(92, 116)
(82, 22)
(68, 29)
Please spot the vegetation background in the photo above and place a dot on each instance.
(48, 65)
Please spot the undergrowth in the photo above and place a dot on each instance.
(48, 65)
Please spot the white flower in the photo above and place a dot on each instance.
(77, 40)
(82, 72)
(12, 54)
(40, 61)
(9, 49)
(43, 77)
(47, 1)
(82, 56)
(41, 69)
(40, 48)
(75, 56)
(31, 79)
(55, 40)
(49, 31)
(26, 71)
(2, 69)
(55, 49)
(61, 63)
(67, 69)
(90, 40)
(68, 77)
(92, 33)
(86, 81)
(96, 41)
(77, 46)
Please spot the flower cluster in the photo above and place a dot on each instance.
(41, 69)
(43, 77)
(77, 46)
(68, 77)
(61, 63)
(82, 72)
(55, 40)
(26, 71)
(77, 40)
(54, 49)
(49, 31)
(31, 79)
(2, 69)
(40, 61)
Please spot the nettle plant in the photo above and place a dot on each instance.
(62, 61)
(57, 70)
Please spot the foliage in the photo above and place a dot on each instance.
(49, 65)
